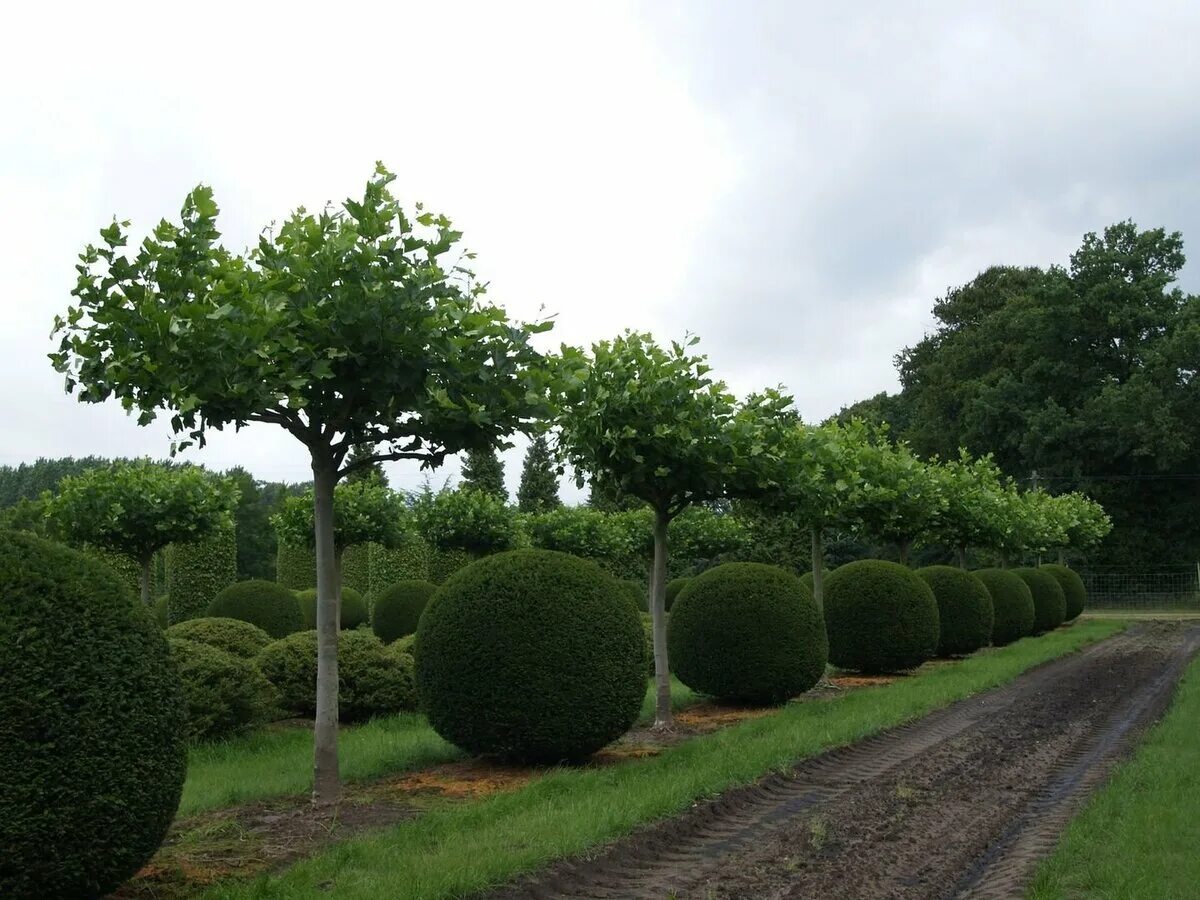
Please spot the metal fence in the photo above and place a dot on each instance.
(1177, 590)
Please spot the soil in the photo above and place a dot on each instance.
(961, 803)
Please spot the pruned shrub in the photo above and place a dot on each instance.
(648, 634)
(467, 519)
(230, 635)
(965, 613)
(1049, 601)
(295, 566)
(269, 605)
(635, 591)
(356, 568)
(92, 721)
(1073, 589)
(398, 608)
(880, 616)
(674, 586)
(532, 656)
(371, 681)
(353, 609)
(161, 606)
(225, 693)
(197, 571)
(807, 578)
(749, 633)
(409, 561)
(445, 562)
(1012, 602)
(584, 532)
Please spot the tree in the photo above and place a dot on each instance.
(538, 491)
(974, 514)
(360, 465)
(254, 535)
(139, 507)
(350, 327)
(901, 499)
(647, 422)
(484, 471)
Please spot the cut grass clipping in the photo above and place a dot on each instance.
(1138, 836)
(453, 851)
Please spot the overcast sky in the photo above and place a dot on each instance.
(792, 182)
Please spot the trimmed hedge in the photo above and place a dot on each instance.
(397, 609)
(444, 563)
(225, 693)
(674, 586)
(881, 617)
(749, 633)
(531, 655)
(91, 725)
(1073, 589)
(1049, 601)
(965, 613)
(295, 566)
(1012, 602)
(270, 606)
(408, 562)
(356, 568)
(197, 571)
(372, 680)
(125, 567)
(353, 611)
(161, 607)
(230, 635)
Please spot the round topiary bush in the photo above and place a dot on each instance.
(92, 713)
(225, 693)
(1049, 601)
(161, 610)
(636, 592)
(749, 633)
(397, 609)
(354, 608)
(965, 613)
(231, 635)
(270, 606)
(370, 681)
(674, 586)
(1072, 587)
(1012, 602)
(531, 655)
(807, 579)
(880, 616)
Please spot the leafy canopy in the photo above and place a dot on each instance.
(364, 511)
(975, 513)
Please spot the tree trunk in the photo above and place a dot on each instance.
(146, 577)
(903, 548)
(818, 567)
(1062, 556)
(326, 782)
(962, 556)
(658, 617)
(1004, 560)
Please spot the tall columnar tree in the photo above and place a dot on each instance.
(138, 507)
(902, 497)
(538, 491)
(483, 471)
(974, 513)
(353, 326)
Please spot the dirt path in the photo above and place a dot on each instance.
(961, 803)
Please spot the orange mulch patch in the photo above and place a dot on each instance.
(621, 752)
(705, 717)
(460, 780)
(856, 681)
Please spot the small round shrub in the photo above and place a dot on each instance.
(1072, 587)
(1012, 602)
(404, 644)
(532, 656)
(354, 608)
(92, 713)
(161, 606)
(674, 586)
(636, 591)
(370, 681)
(231, 635)
(270, 606)
(749, 633)
(1049, 601)
(807, 578)
(965, 613)
(397, 609)
(881, 617)
(225, 693)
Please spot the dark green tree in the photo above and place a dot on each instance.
(483, 471)
(538, 491)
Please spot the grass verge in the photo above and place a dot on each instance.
(1138, 836)
(460, 849)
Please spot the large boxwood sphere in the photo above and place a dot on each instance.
(1072, 588)
(92, 746)
(674, 586)
(225, 693)
(749, 633)
(398, 608)
(881, 617)
(353, 608)
(1049, 601)
(636, 591)
(269, 605)
(965, 613)
(1012, 602)
(531, 655)
(231, 635)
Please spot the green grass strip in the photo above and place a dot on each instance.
(458, 849)
(1140, 835)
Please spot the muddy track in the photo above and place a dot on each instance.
(961, 803)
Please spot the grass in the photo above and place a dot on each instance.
(277, 762)
(1138, 837)
(455, 850)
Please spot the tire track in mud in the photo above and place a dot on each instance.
(962, 802)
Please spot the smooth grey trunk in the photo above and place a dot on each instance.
(658, 618)
(1062, 556)
(903, 548)
(818, 567)
(962, 556)
(1004, 560)
(326, 781)
(145, 577)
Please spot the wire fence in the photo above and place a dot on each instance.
(1178, 590)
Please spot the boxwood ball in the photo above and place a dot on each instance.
(267, 604)
(1072, 588)
(965, 613)
(1012, 602)
(1049, 601)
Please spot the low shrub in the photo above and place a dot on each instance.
(398, 608)
(161, 606)
(1012, 602)
(197, 571)
(749, 633)
(353, 613)
(225, 693)
(269, 605)
(295, 566)
(231, 635)
(444, 563)
(674, 586)
(407, 562)
(530, 655)
(965, 613)
(1049, 601)
(636, 592)
(880, 616)
(1073, 589)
